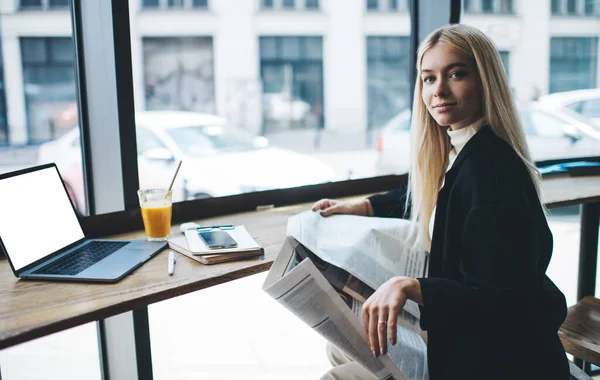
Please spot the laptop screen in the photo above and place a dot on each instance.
(36, 217)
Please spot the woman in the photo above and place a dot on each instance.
(474, 193)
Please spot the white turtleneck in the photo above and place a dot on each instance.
(458, 139)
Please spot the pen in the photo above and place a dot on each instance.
(172, 262)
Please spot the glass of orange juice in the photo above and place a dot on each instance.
(156, 206)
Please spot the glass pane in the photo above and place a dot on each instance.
(288, 3)
(200, 3)
(39, 124)
(68, 355)
(175, 3)
(571, 7)
(590, 7)
(267, 3)
(393, 5)
(250, 99)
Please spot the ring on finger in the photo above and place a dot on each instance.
(380, 322)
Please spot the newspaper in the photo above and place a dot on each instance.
(371, 249)
(329, 296)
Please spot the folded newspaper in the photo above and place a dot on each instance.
(328, 267)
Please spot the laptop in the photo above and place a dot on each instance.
(43, 239)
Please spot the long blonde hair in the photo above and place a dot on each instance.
(430, 142)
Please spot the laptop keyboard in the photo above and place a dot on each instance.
(82, 258)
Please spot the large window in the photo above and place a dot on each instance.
(292, 75)
(388, 84)
(289, 5)
(573, 63)
(49, 85)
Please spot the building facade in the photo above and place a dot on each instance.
(274, 65)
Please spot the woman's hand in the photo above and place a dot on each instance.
(328, 207)
(381, 310)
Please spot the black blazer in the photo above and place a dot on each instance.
(489, 309)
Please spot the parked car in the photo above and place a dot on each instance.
(218, 159)
(584, 102)
(550, 134)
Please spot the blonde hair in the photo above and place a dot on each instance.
(431, 144)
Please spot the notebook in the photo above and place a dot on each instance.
(43, 239)
(180, 244)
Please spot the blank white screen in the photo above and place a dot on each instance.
(36, 216)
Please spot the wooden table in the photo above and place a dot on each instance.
(32, 309)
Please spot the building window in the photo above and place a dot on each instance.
(506, 7)
(267, 4)
(59, 3)
(200, 3)
(590, 8)
(49, 84)
(292, 75)
(175, 3)
(487, 6)
(312, 4)
(393, 5)
(571, 7)
(573, 62)
(288, 4)
(373, 5)
(178, 73)
(31, 3)
(388, 84)
(150, 3)
(556, 7)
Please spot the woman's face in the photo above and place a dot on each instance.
(451, 87)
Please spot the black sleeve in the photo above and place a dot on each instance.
(391, 204)
(502, 271)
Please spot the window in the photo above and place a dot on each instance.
(487, 6)
(178, 73)
(49, 84)
(387, 78)
(59, 3)
(590, 7)
(506, 6)
(292, 75)
(288, 4)
(150, 3)
(175, 3)
(556, 7)
(571, 7)
(373, 5)
(200, 3)
(573, 63)
(267, 3)
(312, 4)
(393, 5)
(31, 3)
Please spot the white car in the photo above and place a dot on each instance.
(217, 159)
(550, 135)
(584, 102)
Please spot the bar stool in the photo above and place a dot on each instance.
(580, 333)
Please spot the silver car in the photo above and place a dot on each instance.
(551, 134)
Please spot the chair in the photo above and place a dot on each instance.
(580, 333)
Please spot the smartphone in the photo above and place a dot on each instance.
(217, 239)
